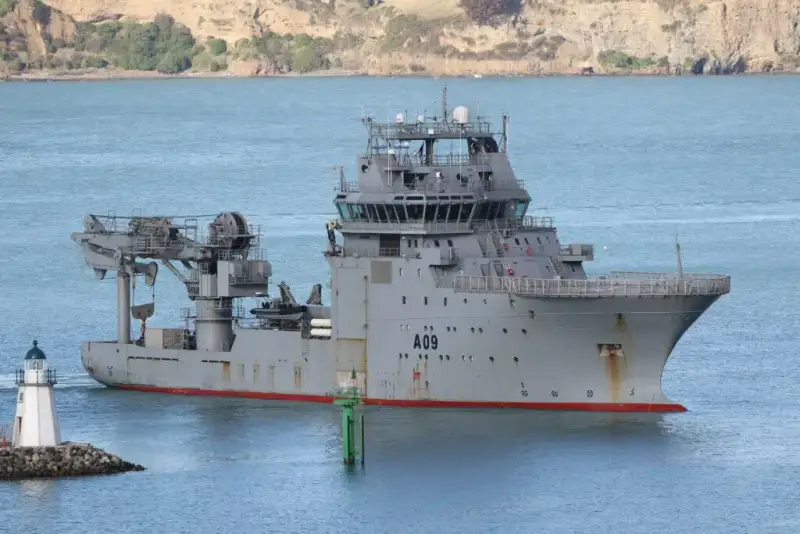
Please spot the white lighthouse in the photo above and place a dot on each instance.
(36, 422)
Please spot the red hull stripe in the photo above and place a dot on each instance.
(327, 399)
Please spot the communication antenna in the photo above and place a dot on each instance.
(678, 258)
(444, 104)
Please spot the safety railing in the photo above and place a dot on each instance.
(424, 129)
(388, 252)
(669, 285)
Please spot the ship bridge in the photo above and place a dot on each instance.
(447, 174)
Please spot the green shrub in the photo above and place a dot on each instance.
(41, 13)
(217, 46)
(620, 60)
(6, 6)
(94, 62)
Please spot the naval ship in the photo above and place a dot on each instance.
(444, 292)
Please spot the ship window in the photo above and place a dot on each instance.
(441, 213)
(539, 239)
(404, 300)
(359, 212)
(482, 211)
(466, 211)
(401, 271)
(502, 208)
(419, 272)
(382, 215)
(452, 215)
(449, 242)
(522, 206)
(492, 210)
(415, 211)
(400, 212)
(430, 212)
(435, 242)
(516, 240)
(343, 212)
(372, 213)
(445, 303)
(526, 240)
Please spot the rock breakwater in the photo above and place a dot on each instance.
(69, 459)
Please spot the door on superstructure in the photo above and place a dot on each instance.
(351, 303)
(350, 321)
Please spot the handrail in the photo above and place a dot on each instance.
(668, 285)
(528, 222)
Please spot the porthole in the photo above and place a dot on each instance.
(441, 357)
(447, 357)
(505, 330)
(472, 329)
(524, 331)
(516, 360)
(480, 330)
(491, 358)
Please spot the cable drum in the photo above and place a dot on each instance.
(229, 230)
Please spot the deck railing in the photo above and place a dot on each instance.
(644, 286)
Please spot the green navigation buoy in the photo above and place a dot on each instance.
(350, 449)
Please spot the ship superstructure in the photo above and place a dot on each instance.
(444, 291)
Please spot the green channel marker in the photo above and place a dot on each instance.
(350, 449)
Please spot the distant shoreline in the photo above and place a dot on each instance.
(120, 75)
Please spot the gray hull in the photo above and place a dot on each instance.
(550, 359)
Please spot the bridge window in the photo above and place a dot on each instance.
(383, 216)
(522, 207)
(372, 213)
(400, 212)
(344, 213)
(430, 212)
(415, 211)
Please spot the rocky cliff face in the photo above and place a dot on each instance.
(439, 37)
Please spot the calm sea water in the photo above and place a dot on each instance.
(624, 163)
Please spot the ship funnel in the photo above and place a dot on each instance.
(461, 115)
